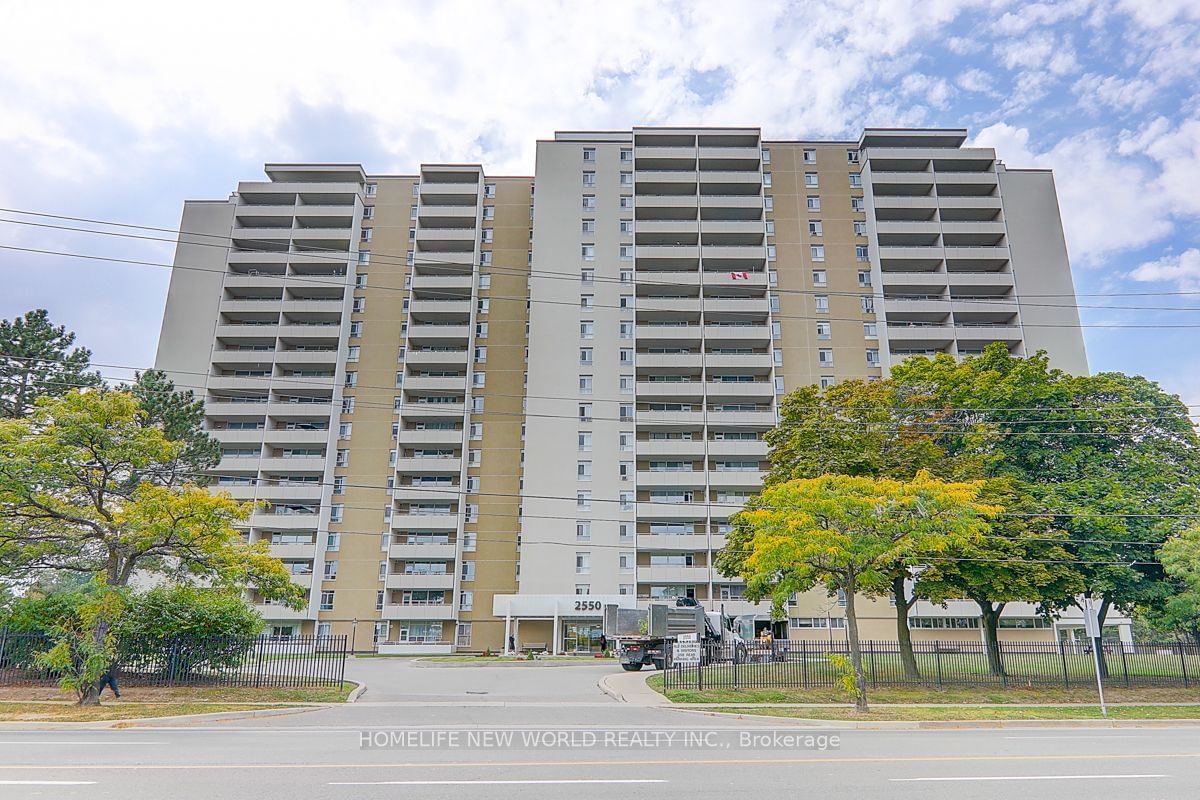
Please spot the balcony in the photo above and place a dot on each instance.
(425, 522)
(667, 257)
(282, 410)
(668, 334)
(440, 308)
(686, 420)
(442, 194)
(670, 304)
(286, 438)
(421, 383)
(457, 283)
(733, 335)
(285, 522)
(289, 493)
(930, 307)
(403, 581)
(733, 257)
(735, 479)
(668, 278)
(436, 358)
(685, 542)
(734, 279)
(273, 612)
(307, 465)
(438, 333)
(757, 419)
(756, 362)
(678, 448)
(418, 611)
(918, 336)
(684, 479)
(676, 361)
(979, 335)
(670, 512)
(429, 465)
(756, 305)
(729, 206)
(327, 307)
(423, 552)
(687, 391)
(303, 358)
(294, 551)
(761, 391)
(750, 448)
(448, 412)
(430, 437)
(240, 305)
(647, 574)
(434, 493)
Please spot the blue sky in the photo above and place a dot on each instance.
(121, 111)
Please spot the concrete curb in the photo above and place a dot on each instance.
(357, 693)
(137, 722)
(951, 725)
(631, 688)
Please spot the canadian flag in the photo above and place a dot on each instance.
(739, 276)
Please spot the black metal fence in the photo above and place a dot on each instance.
(256, 661)
(808, 664)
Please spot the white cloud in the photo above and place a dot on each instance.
(974, 80)
(1182, 269)
(1098, 92)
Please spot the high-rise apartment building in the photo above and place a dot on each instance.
(472, 415)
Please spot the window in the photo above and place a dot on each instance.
(589, 154)
(331, 569)
(589, 202)
(864, 277)
(777, 356)
(814, 227)
(352, 352)
(821, 302)
(585, 441)
(589, 226)
(626, 356)
(625, 470)
(626, 154)
(625, 384)
(625, 411)
(813, 203)
(872, 357)
(625, 330)
(820, 277)
(356, 329)
(588, 252)
(870, 330)
(766, 156)
(489, 212)
(860, 227)
(477, 405)
(481, 330)
(488, 233)
(810, 156)
(339, 484)
(810, 180)
(767, 180)
(625, 301)
(817, 252)
(483, 305)
(774, 303)
(626, 201)
(478, 379)
(583, 589)
(776, 330)
(625, 441)
(625, 252)
(626, 226)
(333, 541)
(861, 252)
(480, 355)
(626, 276)
(827, 381)
(583, 530)
(342, 459)
(360, 305)
(858, 204)
(585, 412)
(868, 304)
(855, 180)
(585, 356)
(770, 227)
(466, 601)
(583, 562)
(587, 329)
(485, 280)
(587, 301)
(769, 203)
(825, 356)
(589, 179)
(824, 330)
(851, 156)
(625, 501)
(585, 384)
(583, 500)
(372, 189)
(583, 470)
(627, 179)
(626, 561)
(326, 600)
(360, 280)
(770, 252)
(468, 571)
(345, 429)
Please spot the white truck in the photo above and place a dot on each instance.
(641, 636)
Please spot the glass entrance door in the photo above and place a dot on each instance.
(581, 637)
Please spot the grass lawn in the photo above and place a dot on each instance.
(947, 695)
(117, 710)
(188, 695)
(964, 713)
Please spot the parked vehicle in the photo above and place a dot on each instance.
(641, 636)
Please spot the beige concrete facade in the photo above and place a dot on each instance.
(470, 411)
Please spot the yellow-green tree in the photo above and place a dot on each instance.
(847, 533)
(87, 487)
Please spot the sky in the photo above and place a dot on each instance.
(120, 111)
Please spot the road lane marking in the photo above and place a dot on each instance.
(359, 765)
(62, 741)
(547, 782)
(1024, 778)
(47, 783)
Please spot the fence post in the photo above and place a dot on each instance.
(1183, 664)
(1124, 664)
(1066, 675)
(258, 668)
(174, 662)
(937, 653)
(871, 653)
(342, 668)
(3, 644)
(804, 663)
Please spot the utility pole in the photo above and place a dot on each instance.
(353, 633)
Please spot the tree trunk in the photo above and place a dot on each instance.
(860, 678)
(991, 629)
(90, 696)
(903, 636)
(1098, 642)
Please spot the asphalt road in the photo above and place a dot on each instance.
(547, 732)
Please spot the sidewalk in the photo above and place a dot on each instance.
(631, 688)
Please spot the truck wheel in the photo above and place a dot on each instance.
(658, 663)
(631, 667)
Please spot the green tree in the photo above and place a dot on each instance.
(1021, 558)
(86, 486)
(1112, 458)
(847, 533)
(84, 642)
(1181, 561)
(866, 428)
(180, 416)
(37, 360)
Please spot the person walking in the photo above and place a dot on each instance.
(512, 644)
(109, 679)
(603, 645)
